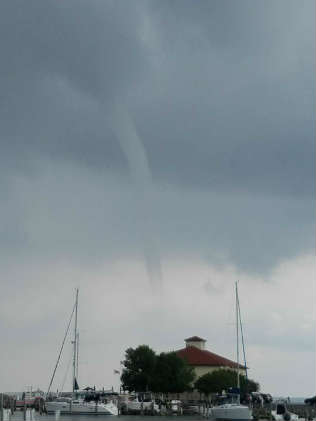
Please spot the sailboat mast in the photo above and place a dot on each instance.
(75, 345)
(77, 356)
(237, 335)
(242, 337)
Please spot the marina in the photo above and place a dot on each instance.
(241, 401)
(189, 409)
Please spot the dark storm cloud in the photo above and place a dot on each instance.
(221, 94)
(235, 95)
(58, 59)
(94, 45)
(67, 214)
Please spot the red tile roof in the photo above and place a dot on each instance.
(195, 339)
(196, 356)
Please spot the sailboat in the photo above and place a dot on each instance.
(231, 409)
(76, 405)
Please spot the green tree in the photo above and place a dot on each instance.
(223, 379)
(139, 367)
(172, 374)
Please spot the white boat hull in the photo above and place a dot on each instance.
(82, 408)
(230, 412)
(135, 406)
(282, 417)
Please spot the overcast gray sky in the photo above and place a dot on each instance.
(152, 153)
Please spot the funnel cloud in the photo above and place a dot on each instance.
(133, 148)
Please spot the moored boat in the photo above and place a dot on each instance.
(230, 408)
(281, 413)
(80, 407)
(176, 406)
(76, 405)
(142, 402)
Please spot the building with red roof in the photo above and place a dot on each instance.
(205, 361)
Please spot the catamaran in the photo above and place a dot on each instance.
(77, 405)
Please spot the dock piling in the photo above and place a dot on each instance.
(1, 407)
(24, 409)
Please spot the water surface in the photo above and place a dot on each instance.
(18, 416)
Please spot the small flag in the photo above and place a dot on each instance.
(76, 386)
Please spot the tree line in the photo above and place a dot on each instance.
(144, 371)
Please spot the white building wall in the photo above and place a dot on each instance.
(197, 344)
(200, 370)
